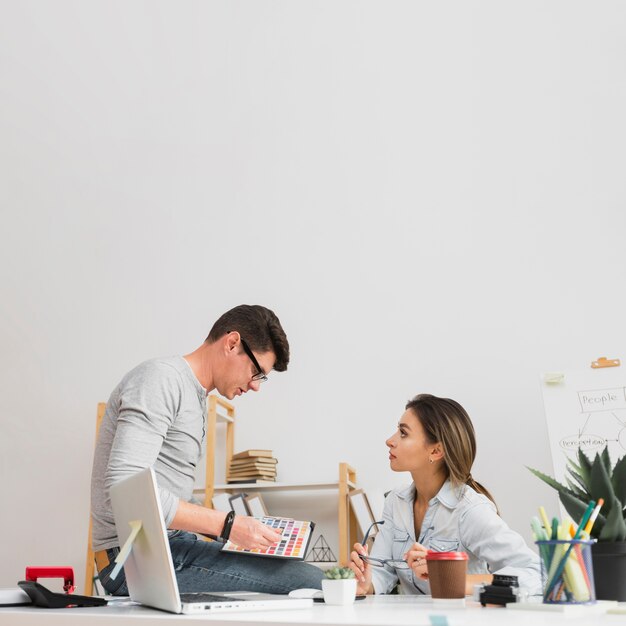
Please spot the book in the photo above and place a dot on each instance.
(296, 536)
(251, 474)
(252, 467)
(258, 481)
(249, 471)
(253, 470)
(248, 453)
(260, 459)
(254, 460)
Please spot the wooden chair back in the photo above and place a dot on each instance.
(90, 569)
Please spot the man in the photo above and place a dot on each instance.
(156, 417)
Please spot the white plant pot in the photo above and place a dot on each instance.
(339, 592)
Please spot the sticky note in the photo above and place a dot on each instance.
(553, 378)
(120, 559)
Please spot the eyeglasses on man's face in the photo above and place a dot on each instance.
(260, 374)
(373, 561)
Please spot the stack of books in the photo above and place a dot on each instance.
(252, 466)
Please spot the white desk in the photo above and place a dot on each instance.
(373, 611)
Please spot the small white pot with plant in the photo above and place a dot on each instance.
(339, 586)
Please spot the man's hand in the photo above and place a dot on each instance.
(250, 534)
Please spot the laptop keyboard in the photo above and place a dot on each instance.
(208, 597)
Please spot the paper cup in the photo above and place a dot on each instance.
(447, 572)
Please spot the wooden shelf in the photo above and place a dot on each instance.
(346, 520)
(278, 487)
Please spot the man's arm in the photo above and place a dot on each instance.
(148, 403)
(246, 531)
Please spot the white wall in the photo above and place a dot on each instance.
(429, 194)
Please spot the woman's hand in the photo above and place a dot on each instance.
(416, 559)
(362, 570)
(249, 533)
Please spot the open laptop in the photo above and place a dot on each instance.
(149, 568)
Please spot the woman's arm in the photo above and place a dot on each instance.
(486, 535)
(384, 580)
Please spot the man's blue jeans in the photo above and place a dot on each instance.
(200, 566)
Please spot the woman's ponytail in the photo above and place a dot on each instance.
(446, 422)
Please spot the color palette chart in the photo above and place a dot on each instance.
(296, 536)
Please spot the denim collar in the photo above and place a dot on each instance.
(448, 495)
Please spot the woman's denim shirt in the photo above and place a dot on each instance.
(457, 518)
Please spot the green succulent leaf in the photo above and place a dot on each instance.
(591, 480)
(575, 473)
(555, 484)
(574, 506)
(601, 486)
(339, 573)
(615, 528)
(584, 468)
(618, 480)
(576, 490)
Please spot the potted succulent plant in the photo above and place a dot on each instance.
(339, 586)
(591, 480)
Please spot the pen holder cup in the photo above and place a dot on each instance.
(567, 571)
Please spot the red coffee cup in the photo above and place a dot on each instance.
(447, 572)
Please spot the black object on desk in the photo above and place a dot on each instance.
(40, 596)
(502, 590)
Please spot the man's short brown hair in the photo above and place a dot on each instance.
(260, 329)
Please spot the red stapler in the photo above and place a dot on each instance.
(40, 596)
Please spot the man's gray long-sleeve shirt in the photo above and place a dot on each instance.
(156, 417)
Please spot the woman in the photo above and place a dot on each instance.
(444, 509)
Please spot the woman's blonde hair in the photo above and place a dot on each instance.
(446, 422)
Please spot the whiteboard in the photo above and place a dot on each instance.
(586, 410)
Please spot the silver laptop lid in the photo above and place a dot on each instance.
(137, 498)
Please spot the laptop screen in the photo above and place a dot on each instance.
(137, 498)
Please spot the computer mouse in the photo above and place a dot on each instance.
(306, 593)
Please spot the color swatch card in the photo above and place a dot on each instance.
(296, 536)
